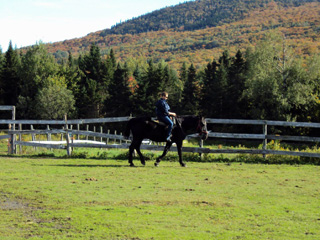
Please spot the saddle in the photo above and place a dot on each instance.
(155, 122)
(159, 122)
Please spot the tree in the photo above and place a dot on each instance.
(10, 80)
(55, 100)
(139, 97)
(37, 66)
(150, 86)
(191, 92)
(93, 86)
(313, 73)
(236, 85)
(72, 74)
(222, 86)
(208, 100)
(179, 85)
(2, 62)
(174, 87)
(120, 102)
(272, 92)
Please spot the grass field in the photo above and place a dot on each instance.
(51, 198)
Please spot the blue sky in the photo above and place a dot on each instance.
(26, 22)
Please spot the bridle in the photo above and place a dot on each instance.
(200, 128)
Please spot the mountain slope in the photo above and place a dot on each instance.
(195, 15)
(300, 22)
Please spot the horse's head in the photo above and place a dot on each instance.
(202, 128)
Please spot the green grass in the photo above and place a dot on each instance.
(55, 198)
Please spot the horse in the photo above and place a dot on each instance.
(145, 128)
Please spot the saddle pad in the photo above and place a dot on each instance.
(159, 122)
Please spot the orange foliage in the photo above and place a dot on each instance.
(300, 25)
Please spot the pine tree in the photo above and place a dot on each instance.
(174, 87)
(237, 78)
(10, 81)
(140, 96)
(208, 101)
(119, 104)
(2, 62)
(222, 85)
(72, 74)
(93, 85)
(153, 85)
(190, 95)
(112, 60)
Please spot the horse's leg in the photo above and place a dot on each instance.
(142, 160)
(137, 147)
(165, 151)
(131, 149)
(135, 144)
(179, 147)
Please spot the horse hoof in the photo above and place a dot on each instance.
(143, 163)
(156, 164)
(183, 165)
(131, 165)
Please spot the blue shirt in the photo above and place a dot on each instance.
(162, 108)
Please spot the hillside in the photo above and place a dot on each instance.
(199, 31)
(194, 15)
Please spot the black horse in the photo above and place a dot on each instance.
(145, 127)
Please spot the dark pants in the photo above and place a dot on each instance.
(167, 121)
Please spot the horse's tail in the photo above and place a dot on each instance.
(128, 129)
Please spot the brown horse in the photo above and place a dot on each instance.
(144, 127)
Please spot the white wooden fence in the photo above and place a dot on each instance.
(71, 142)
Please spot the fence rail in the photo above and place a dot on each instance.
(68, 132)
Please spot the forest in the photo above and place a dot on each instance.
(244, 25)
(265, 82)
(194, 15)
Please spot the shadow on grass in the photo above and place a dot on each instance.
(90, 166)
(188, 157)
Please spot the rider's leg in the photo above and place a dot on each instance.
(168, 121)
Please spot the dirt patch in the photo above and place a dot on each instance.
(10, 204)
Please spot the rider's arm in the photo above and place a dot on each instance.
(172, 114)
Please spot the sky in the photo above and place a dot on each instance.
(27, 22)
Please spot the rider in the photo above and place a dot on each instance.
(163, 114)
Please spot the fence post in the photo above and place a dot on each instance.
(108, 137)
(10, 141)
(265, 141)
(33, 136)
(87, 129)
(67, 136)
(78, 128)
(101, 131)
(20, 138)
(12, 138)
(94, 130)
(49, 135)
(201, 146)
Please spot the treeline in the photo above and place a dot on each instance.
(194, 15)
(267, 82)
